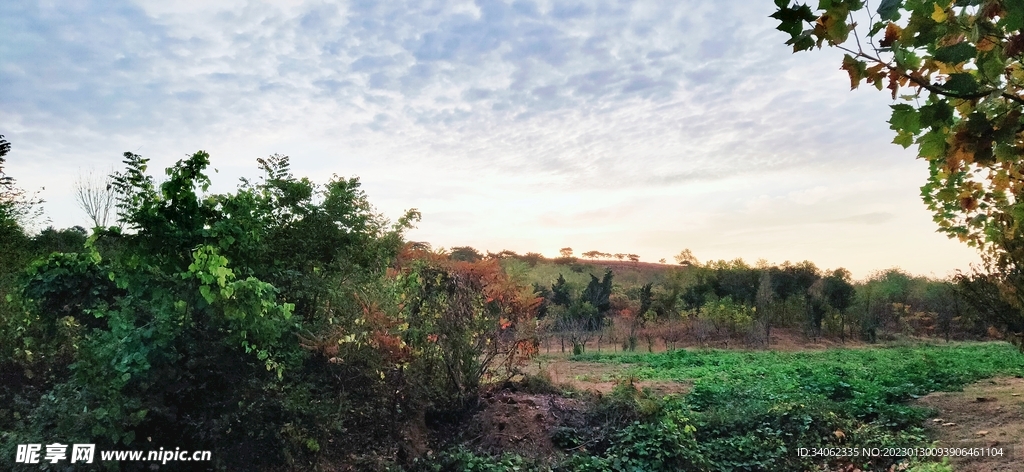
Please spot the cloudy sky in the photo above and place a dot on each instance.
(642, 127)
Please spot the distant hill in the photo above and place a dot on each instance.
(626, 273)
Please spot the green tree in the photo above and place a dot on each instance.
(839, 293)
(16, 208)
(50, 240)
(15, 253)
(735, 279)
(545, 294)
(598, 293)
(956, 66)
(8, 192)
(699, 289)
(532, 258)
(765, 305)
(465, 254)
(561, 292)
(949, 307)
(639, 319)
(12, 237)
(686, 257)
(729, 318)
(982, 292)
(881, 301)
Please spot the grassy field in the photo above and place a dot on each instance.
(627, 274)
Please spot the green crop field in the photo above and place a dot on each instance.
(749, 411)
(752, 410)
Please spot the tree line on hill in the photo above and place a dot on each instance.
(730, 301)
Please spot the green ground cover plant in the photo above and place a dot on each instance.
(753, 410)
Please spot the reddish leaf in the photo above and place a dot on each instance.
(1014, 45)
(892, 33)
(894, 82)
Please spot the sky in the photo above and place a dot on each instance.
(623, 127)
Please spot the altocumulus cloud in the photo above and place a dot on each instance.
(490, 72)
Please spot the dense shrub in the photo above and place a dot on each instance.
(262, 324)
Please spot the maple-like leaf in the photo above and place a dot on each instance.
(957, 53)
(939, 14)
(1014, 46)
(889, 10)
(892, 34)
(894, 82)
(961, 83)
(856, 69)
(986, 44)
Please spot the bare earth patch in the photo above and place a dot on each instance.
(522, 423)
(601, 378)
(989, 413)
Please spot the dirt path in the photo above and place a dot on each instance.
(989, 413)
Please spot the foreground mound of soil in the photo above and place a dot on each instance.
(522, 423)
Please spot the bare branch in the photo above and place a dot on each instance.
(95, 196)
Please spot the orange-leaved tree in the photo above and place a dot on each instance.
(477, 320)
(445, 325)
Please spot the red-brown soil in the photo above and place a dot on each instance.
(989, 413)
(522, 423)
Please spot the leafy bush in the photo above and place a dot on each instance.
(729, 318)
(667, 444)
